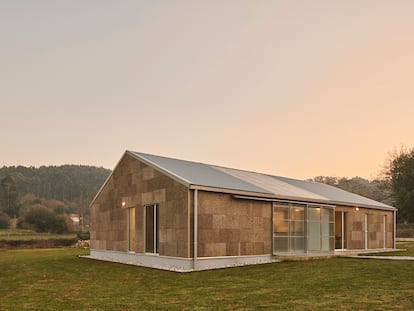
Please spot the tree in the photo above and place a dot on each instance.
(42, 219)
(400, 172)
(4, 221)
(8, 197)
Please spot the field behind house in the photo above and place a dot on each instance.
(29, 239)
(57, 279)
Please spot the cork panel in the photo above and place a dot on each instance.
(357, 225)
(137, 185)
(182, 237)
(229, 235)
(147, 173)
(247, 248)
(214, 249)
(243, 226)
(246, 222)
(259, 235)
(233, 249)
(205, 221)
(232, 221)
(218, 221)
(209, 235)
(258, 248)
(167, 235)
(246, 234)
(168, 248)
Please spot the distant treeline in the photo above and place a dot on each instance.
(378, 189)
(66, 183)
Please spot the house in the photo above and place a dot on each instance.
(184, 216)
(75, 219)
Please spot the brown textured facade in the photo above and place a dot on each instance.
(227, 226)
(138, 185)
(230, 227)
(367, 224)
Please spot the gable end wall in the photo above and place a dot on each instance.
(138, 185)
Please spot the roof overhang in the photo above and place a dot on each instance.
(300, 200)
(281, 200)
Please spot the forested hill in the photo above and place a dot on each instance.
(66, 183)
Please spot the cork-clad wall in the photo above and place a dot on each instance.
(356, 227)
(231, 227)
(138, 185)
(226, 226)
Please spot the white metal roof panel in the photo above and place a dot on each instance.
(273, 185)
(200, 174)
(332, 193)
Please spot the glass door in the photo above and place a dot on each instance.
(131, 236)
(151, 228)
(340, 230)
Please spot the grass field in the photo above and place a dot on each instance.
(56, 279)
(26, 235)
(11, 239)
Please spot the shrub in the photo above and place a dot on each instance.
(43, 219)
(405, 233)
(4, 221)
(84, 235)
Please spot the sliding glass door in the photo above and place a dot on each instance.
(341, 219)
(151, 229)
(301, 228)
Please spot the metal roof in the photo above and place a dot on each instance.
(271, 184)
(211, 176)
(333, 194)
(199, 174)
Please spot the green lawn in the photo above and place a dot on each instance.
(407, 250)
(56, 279)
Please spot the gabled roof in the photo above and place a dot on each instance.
(194, 174)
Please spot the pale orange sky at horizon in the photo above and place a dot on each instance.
(290, 88)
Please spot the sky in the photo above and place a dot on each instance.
(290, 88)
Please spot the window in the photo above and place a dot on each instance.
(289, 228)
(314, 229)
(281, 228)
(302, 228)
(151, 228)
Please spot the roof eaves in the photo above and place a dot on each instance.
(304, 200)
(385, 207)
(230, 191)
(283, 200)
